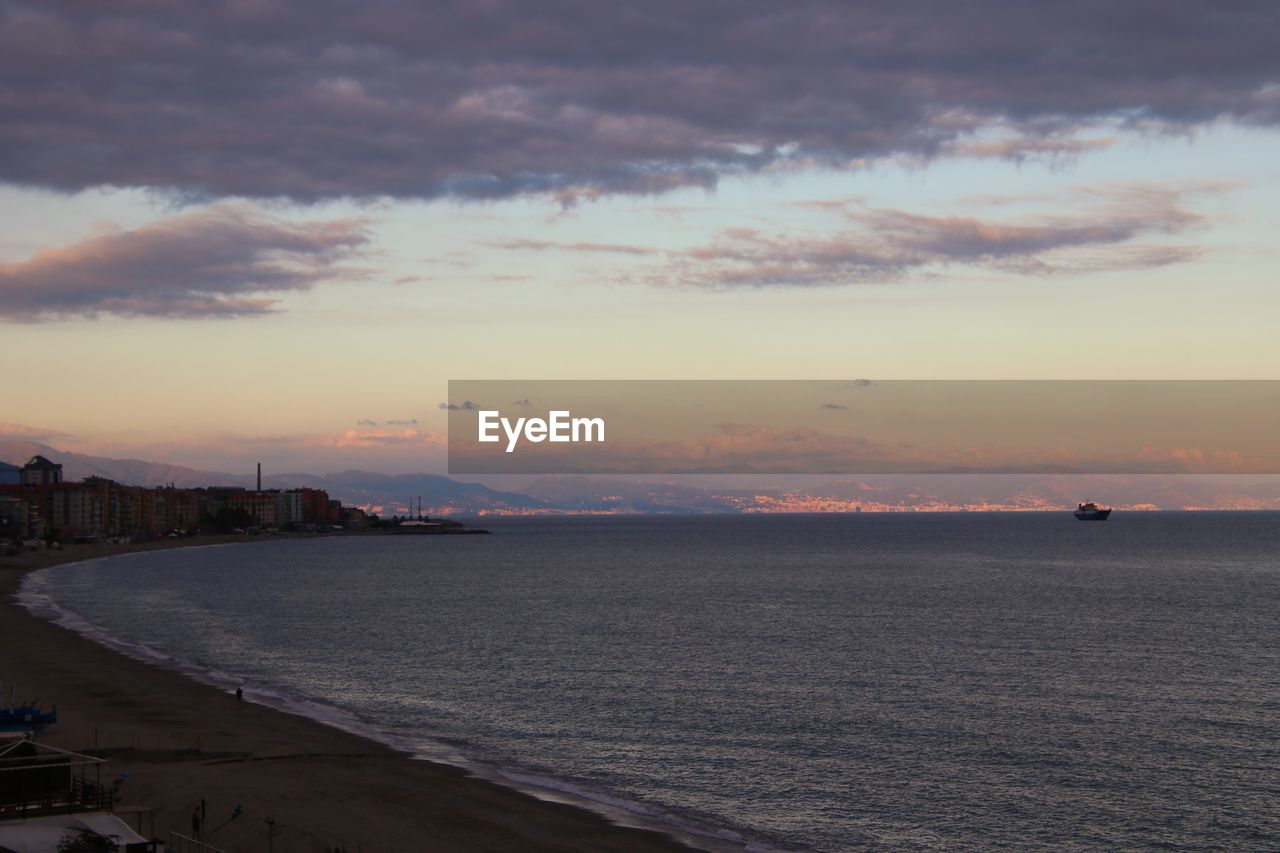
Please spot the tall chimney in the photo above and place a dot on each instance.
(259, 476)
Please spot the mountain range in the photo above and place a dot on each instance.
(395, 493)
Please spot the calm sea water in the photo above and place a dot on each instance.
(825, 682)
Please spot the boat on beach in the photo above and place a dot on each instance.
(1090, 511)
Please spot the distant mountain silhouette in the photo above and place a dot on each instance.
(691, 494)
(369, 487)
(134, 472)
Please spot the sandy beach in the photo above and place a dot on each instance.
(181, 742)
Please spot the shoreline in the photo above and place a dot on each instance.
(182, 741)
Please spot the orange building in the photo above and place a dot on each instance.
(316, 507)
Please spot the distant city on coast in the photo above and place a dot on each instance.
(37, 501)
(42, 507)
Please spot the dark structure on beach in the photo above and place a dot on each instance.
(36, 779)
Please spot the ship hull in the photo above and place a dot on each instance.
(1092, 515)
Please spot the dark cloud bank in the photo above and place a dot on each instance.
(314, 100)
(218, 261)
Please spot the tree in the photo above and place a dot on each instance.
(227, 518)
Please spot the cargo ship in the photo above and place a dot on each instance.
(1090, 511)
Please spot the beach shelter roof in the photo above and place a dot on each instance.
(26, 754)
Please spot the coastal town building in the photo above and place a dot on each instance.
(72, 508)
(15, 517)
(318, 508)
(289, 505)
(41, 472)
(261, 506)
(354, 517)
(42, 505)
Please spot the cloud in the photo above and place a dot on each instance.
(467, 405)
(373, 438)
(1202, 460)
(730, 446)
(403, 422)
(458, 259)
(1019, 149)
(886, 245)
(30, 433)
(216, 261)
(367, 448)
(544, 245)
(366, 422)
(576, 100)
(832, 407)
(753, 448)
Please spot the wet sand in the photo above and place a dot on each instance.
(181, 742)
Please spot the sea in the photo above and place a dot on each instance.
(804, 682)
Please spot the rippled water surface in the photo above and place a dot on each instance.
(813, 682)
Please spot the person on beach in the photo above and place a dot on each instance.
(195, 824)
(239, 694)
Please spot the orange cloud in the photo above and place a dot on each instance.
(407, 437)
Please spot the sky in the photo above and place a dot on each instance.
(273, 230)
